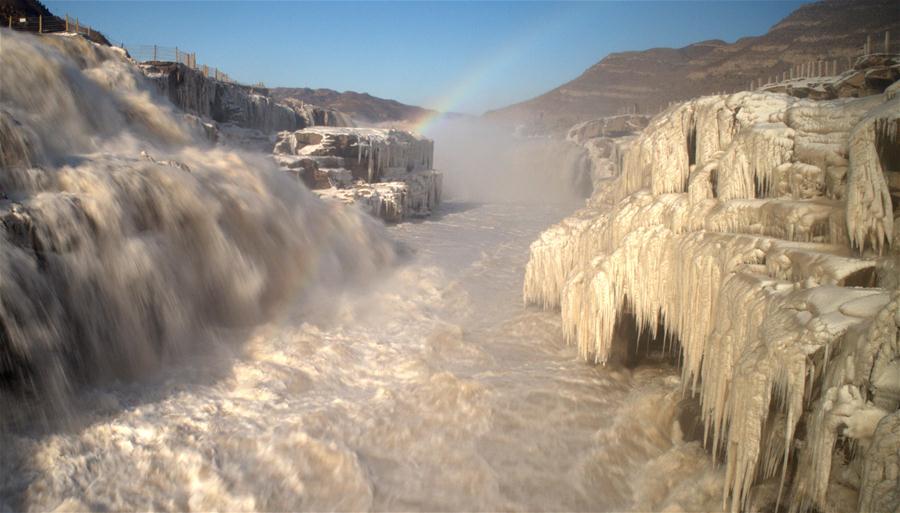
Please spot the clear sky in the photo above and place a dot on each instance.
(460, 56)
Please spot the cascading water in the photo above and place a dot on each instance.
(126, 236)
(131, 249)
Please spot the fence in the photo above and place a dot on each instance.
(48, 24)
(831, 65)
(156, 53)
(140, 53)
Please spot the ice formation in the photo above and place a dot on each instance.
(757, 233)
(387, 172)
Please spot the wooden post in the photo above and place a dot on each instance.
(834, 67)
(887, 41)
(154, 52)
(67, 22)
(76, 26)
(176, 54)
(89, 31)
(40, 23)
(10, 21)
(868, 44)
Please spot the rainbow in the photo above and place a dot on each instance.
(486, 67)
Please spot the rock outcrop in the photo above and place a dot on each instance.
(387, 172)
(228, 103)
(361, 106)
(869, 75)
(756, 233)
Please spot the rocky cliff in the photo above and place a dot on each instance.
(651, 79)
(756, 236)
(240, 105)
(361, 106)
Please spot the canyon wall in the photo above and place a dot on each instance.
(244, 106)
(756, 235)
(830, 32)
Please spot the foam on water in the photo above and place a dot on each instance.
(429, 390)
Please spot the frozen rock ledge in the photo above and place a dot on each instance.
(757, 233)
(386, 172)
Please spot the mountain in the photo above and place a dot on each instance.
(646, 81)
(360, 106)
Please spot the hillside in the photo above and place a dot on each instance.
(648, 80)
(360, 106)
(31, 9)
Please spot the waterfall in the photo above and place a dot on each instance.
(127, 237)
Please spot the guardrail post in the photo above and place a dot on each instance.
(868, 44)
(887, 41)
(40, 24)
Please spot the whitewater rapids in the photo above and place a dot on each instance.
(432, 390)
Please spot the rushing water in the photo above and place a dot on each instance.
(431, 389)
(182, 327)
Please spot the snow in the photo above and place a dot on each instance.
(736, 227)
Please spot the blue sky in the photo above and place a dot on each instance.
(465, 56)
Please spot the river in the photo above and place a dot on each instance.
(430, 388)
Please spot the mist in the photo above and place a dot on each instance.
(487, 162)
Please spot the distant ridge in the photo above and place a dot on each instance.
(648, 80)
(360, 106)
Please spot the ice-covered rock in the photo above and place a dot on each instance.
(614, 126)
(414, 196)
(755, 232)
(387, 172)
(371, 154)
